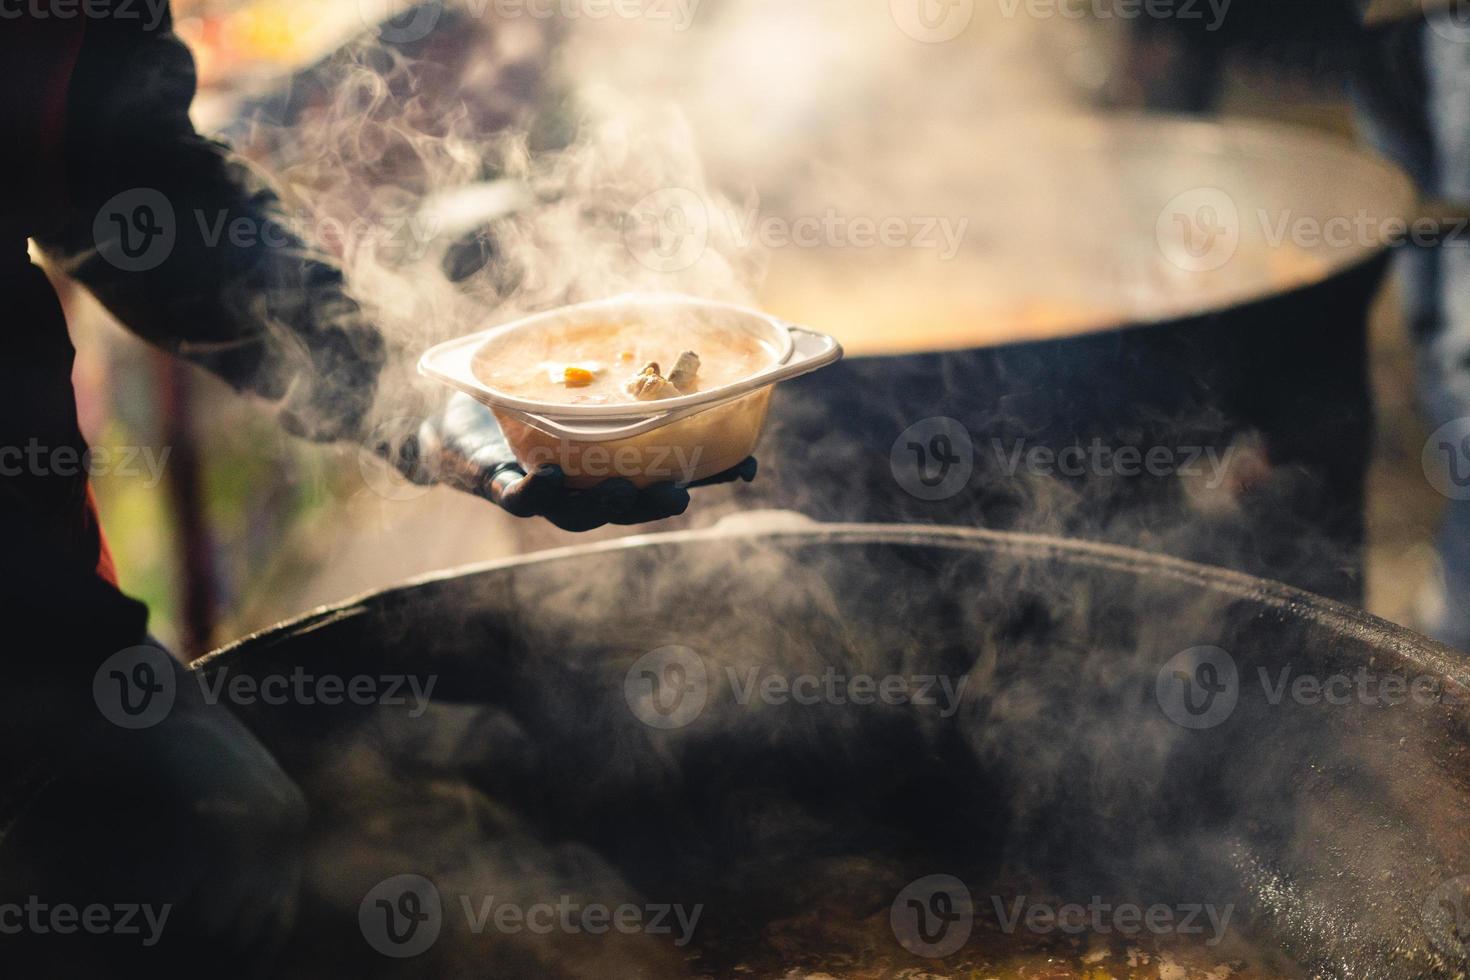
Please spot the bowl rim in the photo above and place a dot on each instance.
(453, 363)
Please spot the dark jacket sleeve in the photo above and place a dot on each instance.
(188, 247)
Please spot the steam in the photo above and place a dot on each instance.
(513, 163)
(793, 826)
(491, 185)
(524, 164)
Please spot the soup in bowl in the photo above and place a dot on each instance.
(653, 388)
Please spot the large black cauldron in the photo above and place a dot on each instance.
(1221, 276)
(593, 736)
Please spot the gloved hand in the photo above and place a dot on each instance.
(464, 448)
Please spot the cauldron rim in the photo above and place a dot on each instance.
(1395, 199)
(1353, 627)
(1420, 653)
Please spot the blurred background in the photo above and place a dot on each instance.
(912, 107)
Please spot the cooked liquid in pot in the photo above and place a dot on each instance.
(997, 956)
(833, 940)
(597, 363)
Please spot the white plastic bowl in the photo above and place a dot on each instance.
(677, 440)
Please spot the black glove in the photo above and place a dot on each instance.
(464, 448)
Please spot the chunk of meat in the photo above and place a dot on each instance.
(649, 385)
(686, 368)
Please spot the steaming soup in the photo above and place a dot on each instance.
(843, 934)
(600, 363)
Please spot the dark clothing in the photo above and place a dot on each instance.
(260, 309)
(36, 405)
(101, 167)
(103, 160)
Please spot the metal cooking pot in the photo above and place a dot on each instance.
(1198, 290)
(1122, 725)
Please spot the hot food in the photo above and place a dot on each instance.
(607, 362)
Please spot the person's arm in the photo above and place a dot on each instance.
(185, 244)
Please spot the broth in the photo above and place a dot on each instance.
(837, 938)
(532, 364)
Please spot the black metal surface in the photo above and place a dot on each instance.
(1330, 828)
(1288, 373)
